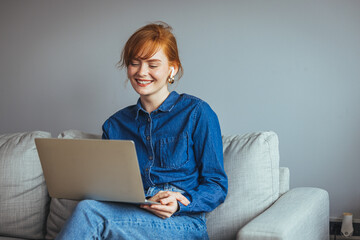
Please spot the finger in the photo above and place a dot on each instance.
(158, 196)
(162, 208)
(159, 213)
(178, 196)
(171, 202)
(159, 207)
(163, 194)
(168, 200)
(181, 198)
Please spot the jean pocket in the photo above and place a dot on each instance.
(174, 151)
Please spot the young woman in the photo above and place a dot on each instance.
(179, 148)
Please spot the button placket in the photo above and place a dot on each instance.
(148, 138)
(151, 152)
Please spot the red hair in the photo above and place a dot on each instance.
(147, 41)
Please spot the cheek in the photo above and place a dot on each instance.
(160, 74)
(130, 75)
(130, 71)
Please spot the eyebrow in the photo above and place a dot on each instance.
(153, 60)
(147, 60)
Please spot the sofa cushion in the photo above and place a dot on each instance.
(10, 238)
(251, 162)
(23, 194)
(61, 209)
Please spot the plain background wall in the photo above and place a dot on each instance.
(287, 66)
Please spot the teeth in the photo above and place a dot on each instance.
(143, 82)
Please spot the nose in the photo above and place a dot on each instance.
(143, 70)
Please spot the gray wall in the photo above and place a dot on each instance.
(287, 66)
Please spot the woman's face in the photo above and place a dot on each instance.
(149, 77)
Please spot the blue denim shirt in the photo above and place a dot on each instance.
(179, 144)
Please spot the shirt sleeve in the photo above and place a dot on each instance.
(208, 149)
(105, 129)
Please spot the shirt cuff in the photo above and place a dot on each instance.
(182, 209)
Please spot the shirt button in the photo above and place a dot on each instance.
(149, 119)
(147, 169)
(148, 138)
(150, 157)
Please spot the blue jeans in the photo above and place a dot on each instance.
(107, 220)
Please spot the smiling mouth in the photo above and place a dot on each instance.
(143, 83)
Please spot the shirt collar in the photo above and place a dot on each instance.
(166, 106)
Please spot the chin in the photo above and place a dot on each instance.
(142, 92)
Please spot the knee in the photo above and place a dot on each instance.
(85, 205)
(88, 213)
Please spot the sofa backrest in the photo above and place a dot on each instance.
(251, 162)
(23, 194)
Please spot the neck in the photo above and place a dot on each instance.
(151, 103)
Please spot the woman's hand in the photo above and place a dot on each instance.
(169, 203)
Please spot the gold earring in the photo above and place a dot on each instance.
(171, 79)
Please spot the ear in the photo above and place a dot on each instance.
(174, 70)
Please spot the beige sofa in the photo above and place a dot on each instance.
(259, 204)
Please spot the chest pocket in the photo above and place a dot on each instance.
(174, 151)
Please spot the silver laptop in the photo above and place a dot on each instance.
(105, 170)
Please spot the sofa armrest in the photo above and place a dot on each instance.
(301, 213)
